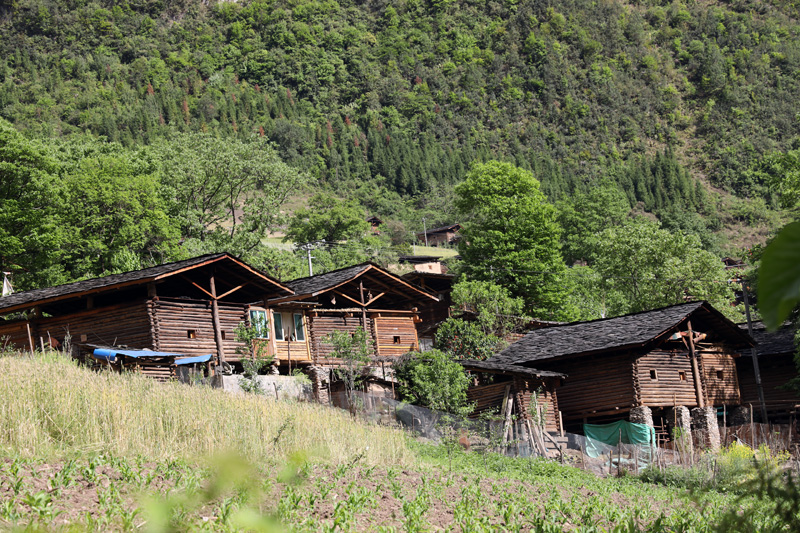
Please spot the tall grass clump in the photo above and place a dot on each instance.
(50, 405)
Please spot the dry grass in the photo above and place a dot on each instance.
(50, 405)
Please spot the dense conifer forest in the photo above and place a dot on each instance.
(675, 105)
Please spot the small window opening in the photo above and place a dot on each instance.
(223, 335)
(682, 376)
(191, 334)
(654, 375)
(397, 339)
(720, 374)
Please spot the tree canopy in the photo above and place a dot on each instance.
(510, 235)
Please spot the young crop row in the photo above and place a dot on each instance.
(105, 492)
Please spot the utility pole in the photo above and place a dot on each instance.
(308, 247)
(754, 355)
(425, 231)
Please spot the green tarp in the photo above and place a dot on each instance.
(611, 434)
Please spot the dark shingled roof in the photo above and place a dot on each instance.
(624, 332)
(455, 227)
(772, 342)
(500, 368)
(37, 296)
(314, 285)
(329, 280)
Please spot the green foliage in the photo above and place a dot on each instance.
(226, 193)
(354, 352)
(31, 235)
(644, 267)
(327, 219)
(779, 276)
(254, 352)
(510, 235)
(432, 379)
(583, 216)
(496, 312)
(466, 340)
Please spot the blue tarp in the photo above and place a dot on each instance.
(110, 355)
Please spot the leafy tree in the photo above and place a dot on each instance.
(31, 230)
(116, 217)
(327, 219)
(644, 267)
(466, 340)
(433, 380)
(583, 216)
(496, 311)
(510, 235)
(354, 352)
(226, 193)
(254, 352)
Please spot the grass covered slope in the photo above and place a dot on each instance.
(50, 406)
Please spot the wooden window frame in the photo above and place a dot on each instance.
(263, 328)
(277, 321)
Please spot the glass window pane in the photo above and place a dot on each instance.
(276, 319)
(300, 334)
(258, 319)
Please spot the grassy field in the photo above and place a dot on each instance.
(88, 451)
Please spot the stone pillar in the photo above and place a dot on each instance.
(641, 415)
(319, 384)
(739, 415)
(704, 420)
(680, 422)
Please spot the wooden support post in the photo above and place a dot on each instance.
(30, 337)
(363, 305)
(215, 319)
(698, 386)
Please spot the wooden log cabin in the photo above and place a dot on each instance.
(532, 391)
(189, 307)
(777, 367)
(683, 355)
(362, 296)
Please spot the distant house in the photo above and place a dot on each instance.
(190, 307)
(443, 235)
(424, 263)
(777, 366)
(375, 224)
(651, 362)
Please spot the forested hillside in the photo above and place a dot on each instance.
(674, 103)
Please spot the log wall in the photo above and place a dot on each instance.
(776, 370)
(122, 324)
(719, 376)
(14, 335)
(173, 320)
(664, 379)
(395, 335)
(489, 398)
(594, 385)
(322, 325)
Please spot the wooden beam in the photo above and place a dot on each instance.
(221, 296)
(360, 304)
(363, 305)
(373, 299)
(215, 319)
(698, 386)
(210, 294)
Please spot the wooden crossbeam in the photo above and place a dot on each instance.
(373, 299)
(349, 298)
(199, 287)
(221, 296)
